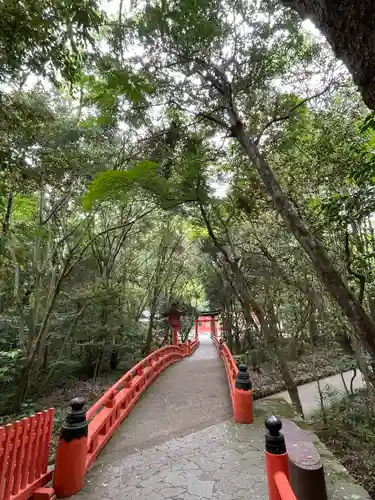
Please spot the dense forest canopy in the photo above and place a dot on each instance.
(192, 152)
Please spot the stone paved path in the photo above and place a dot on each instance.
(223, 462)
(179, 442)
(190, 395)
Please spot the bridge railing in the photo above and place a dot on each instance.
(25, 444)
(239, 382)
(84, 435)
(24, 452)
(277, 462)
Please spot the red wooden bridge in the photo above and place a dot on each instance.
(179, 440)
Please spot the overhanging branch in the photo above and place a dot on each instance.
(282, 118)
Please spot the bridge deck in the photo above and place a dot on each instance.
(179, 442)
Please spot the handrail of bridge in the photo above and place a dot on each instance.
(24, 451)
(239, 382)
(84, 435)
(277, 462)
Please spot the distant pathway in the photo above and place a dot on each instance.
(309, 393)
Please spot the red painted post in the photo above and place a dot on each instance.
(175, 334)
(70, 464)
(243, 397)
(174, 320)
(277, 464)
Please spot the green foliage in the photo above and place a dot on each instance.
(46, 36)
(349, 433)
(9, 361)
(116, 184)
(111, 86)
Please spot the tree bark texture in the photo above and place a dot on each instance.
(349, 26)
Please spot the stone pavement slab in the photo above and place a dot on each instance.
(222, 462)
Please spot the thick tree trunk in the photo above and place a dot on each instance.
(349, 26)
(325, 270)
(148, 344)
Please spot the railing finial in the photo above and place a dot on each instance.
(75, 425)
(243, 378)
(275, 441)
(243, 397)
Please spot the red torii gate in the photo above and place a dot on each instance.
(207, 322)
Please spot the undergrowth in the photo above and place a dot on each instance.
(349, 432)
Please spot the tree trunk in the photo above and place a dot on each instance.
(114, 358)
(348, 26)
(21, 389)
(289, 382)
(271, 336)
(325, 270)
(313, 327)
(148, 343)
(228, 327)
(8, 213)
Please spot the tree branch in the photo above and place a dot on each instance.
(282, 118)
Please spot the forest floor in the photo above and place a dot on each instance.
(323, 363)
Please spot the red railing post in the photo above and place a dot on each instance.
(277, 464)
(243, 397)
(70, 465)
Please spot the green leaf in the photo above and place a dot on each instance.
(115, 184)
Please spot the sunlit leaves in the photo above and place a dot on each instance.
(113, 87)
(116, 184)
